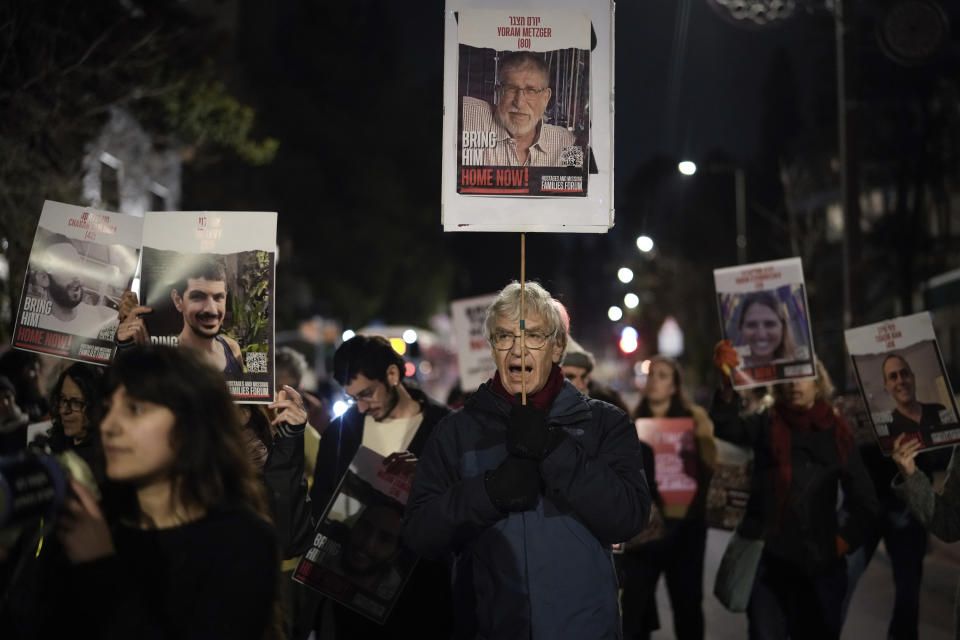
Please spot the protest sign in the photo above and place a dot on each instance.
(903, 381)
(357, 557)
(675, 460)
(474, 356)
(729, 488)
(81, 262)
(528, 129)
(764, 312)
(208, 277)
(511, 68)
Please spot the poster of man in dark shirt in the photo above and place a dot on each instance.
(912, 417)
(903, 382)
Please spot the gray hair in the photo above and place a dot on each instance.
(537, 301)
(292, 361)
(520, 60)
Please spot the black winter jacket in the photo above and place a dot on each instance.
(425, 608)
(804, 535)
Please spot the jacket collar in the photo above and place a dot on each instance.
(568, 407)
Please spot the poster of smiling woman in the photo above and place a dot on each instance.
(207, 278)
(903, 382)
(763, 311)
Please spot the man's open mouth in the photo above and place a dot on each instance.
(515, 368)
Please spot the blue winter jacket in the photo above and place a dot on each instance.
(545, 573)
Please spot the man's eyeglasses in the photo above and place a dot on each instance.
(73, 404)
(510, 91)
(504, 340)
(366, 395)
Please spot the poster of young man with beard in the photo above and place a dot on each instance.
(81, 263)
(903, 382)
(207, 283)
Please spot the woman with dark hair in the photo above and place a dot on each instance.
(75, 409)
(678, 555)
(803, 454)
(765, 329)
(190, 552)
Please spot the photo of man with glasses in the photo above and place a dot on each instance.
(514, 132)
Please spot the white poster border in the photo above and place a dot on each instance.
(593, 213)
(763, 277)
(894, 336)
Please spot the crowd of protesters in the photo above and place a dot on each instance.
(196, 509)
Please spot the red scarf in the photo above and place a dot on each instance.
(784, 420)
(542, 399)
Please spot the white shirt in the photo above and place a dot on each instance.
(390, 435)
(90, 322)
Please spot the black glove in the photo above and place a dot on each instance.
(528, 435)
(514, 485)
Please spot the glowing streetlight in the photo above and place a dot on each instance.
(645, 244)
(614, 313)
(409, 336)
(625, 275)
(349, 333)
(689, 168)
(631, 300)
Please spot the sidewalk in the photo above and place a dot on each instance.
(869, 610)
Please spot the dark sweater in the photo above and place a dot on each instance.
(212, 578)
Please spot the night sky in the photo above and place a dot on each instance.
(354, 94)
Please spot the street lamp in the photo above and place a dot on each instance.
(688, 168)
(625, 275)
(645, 244)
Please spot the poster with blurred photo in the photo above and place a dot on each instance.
(208, 278)
(474, 356)
(675, 460)
(729, 488)
(81, 262)
(903, 382)
(357, 557)
(524, 90)
(764, 312)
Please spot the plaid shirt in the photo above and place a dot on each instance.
(544, 152)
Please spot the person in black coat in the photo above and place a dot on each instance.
(182, 544)
(803, 453)
(395, 420)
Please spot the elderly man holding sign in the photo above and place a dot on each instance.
(528, 485)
